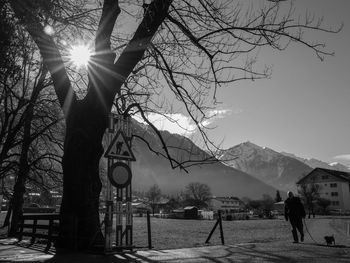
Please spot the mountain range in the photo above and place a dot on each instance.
(280, 170)
(244, 170)
(150, 169)
(317, 163)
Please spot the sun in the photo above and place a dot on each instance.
(80, 55)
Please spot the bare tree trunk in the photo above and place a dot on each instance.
(86, 123)
(18, 200)
(24, 169)
(23, 173)
(80, 222)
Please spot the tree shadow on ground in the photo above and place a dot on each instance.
(232, 253)
(93, 258)
(295, 253)
(332, 246)
(250, 252)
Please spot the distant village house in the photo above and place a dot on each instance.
(189, 212)
(227, 205)
(334, 186)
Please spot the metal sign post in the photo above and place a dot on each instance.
(119, 156)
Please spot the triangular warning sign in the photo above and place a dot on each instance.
(119, 148)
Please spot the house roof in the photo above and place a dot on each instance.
(178, 210)
(163, 201)
(190, 207)
(135, 204)
(339, 174)
(231, 198)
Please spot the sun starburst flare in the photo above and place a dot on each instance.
(80, 55)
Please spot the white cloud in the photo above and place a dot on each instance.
(174, 123)
(342, 157)
(182, 124)
(218, 114)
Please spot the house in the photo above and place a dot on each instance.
(228, 205)
(279, 207)
(191, 212)
(334, 186)
(162, 205)
(140, 208)
(177, 214)
(207, 215)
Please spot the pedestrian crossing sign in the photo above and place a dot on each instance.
(119, 148)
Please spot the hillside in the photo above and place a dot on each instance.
(150, 169)
(265, 164)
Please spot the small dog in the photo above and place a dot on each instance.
(329, 240)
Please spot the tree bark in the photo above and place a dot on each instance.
(80, 222)
(18, 200)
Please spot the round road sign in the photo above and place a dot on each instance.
(120, 175)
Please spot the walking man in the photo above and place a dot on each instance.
(294, 212)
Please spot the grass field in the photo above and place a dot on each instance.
(175, 233)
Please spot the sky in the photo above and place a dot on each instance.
(304, 108)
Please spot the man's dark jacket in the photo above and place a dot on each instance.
(293, 208)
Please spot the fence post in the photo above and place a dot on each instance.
(49, 233)
(218, 222)
(149, 230)
(221, 230)
(35, 222)
(75, 234)
(20, 237)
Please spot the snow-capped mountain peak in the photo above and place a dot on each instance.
(314, 163)
(339, 167)
(266, 164)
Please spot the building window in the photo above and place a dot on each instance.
(325, 184)
(335, 202)
(333, 185)
(334, 194)
(324, 177)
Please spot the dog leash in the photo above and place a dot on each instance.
(307, 230)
